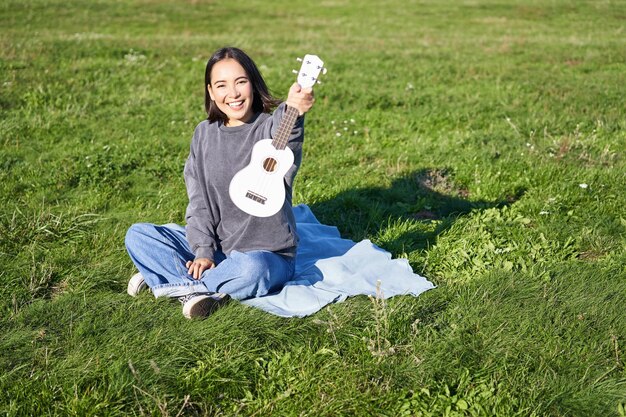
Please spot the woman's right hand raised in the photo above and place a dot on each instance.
(198, 266)
(299, 98)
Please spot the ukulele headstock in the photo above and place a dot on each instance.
(310, 71)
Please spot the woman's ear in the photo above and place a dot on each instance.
(208, 88)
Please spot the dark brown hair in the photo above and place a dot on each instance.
(262, 100)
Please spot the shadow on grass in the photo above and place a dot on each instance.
(425, 196)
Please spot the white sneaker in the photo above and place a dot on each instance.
(201, 305)
(136, 284)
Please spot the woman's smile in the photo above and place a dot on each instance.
(236, 105)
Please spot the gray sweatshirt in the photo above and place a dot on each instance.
(213, 221)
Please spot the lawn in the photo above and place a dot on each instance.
(483, 141)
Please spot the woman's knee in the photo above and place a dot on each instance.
(138, 233)
(252, 265)
(268, 271)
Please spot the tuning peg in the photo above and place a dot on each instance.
(299, 59)
(324, 70)
(319, 82)
(294, 71)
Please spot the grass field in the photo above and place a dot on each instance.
(482, 140)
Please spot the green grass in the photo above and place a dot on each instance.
(483, 141)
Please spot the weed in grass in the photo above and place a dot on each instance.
(378, 343)
(333, 324)
(39, 278)
(470, 396)
(41, 227)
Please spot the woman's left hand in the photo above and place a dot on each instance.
(300, 98)
(198, 266)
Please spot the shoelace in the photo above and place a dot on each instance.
(187, 297)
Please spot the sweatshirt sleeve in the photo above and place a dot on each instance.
(200, 223)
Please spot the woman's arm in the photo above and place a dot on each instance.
(200, 223)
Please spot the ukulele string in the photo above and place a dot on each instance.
(270, 164)
(280, 143)
(265, 179)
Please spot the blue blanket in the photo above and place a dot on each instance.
(330, 269)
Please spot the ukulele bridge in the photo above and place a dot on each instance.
(256, 197)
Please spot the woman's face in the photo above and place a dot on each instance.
(231, 90)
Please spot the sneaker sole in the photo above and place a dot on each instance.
(136, 285)
(203, 307)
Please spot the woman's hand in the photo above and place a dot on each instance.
(300, 98)
(198, 266)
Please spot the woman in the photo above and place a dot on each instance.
(224, 252)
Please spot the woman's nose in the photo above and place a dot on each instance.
(234, 91)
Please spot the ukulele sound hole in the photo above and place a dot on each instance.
(270, 164)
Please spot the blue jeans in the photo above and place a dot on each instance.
(161, 252)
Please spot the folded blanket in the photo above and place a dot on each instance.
(330, 269)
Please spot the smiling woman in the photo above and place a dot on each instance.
(225, 252)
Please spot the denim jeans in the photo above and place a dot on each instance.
(161, 252)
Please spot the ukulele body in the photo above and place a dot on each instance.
(259, 188)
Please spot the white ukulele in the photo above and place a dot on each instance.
(259, 189)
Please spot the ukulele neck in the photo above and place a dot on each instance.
(281, 137)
